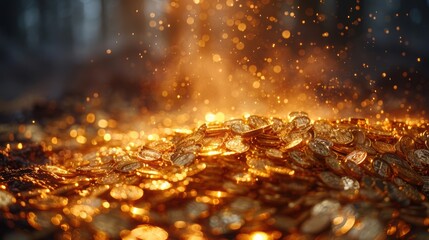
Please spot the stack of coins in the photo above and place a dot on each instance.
(246, 178)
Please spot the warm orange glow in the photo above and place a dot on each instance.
(259, 236)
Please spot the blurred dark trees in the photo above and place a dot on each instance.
(49, 48)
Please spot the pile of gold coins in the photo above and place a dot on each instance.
(255, 178)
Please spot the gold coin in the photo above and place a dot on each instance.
(277, 125)
(160, 145)
(231, 122)
(405, 144)
(381, 168)
(344, 221)
(149, 155)
(193, 138)
(216, 130)
(365, 148)
(57, 170)
(316, 224)
(190, 148)
(267, 141)
(331, 180)
(319, 147)
(383, 147)
(148, 172)
(356, 156)
(295, 114)
(379, 132)
(299, 158)
(212, 143)
(301, 122)
(359, 137)
(394, 161)
(334, 164)
(236, 144)
(128, 166)
(350, 183)
(257, 121)
(184, 159)
(408, 175)
(421, 156)
(322, 128)
(111, 178)
(246, 131)
(294, 140)
(274, 153)
(352, 169)
(341, 136)
(369, 228)
(326, 207)
(411, 192)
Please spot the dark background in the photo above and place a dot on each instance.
(52, 49)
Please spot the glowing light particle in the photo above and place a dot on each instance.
(252, 69)
(241, 27)
(216, 58)
(220, 116)
(256, 84)
(277, 69)
(73, 133)
(102, 123)
(90, 117)
(210, 117)
(146, 231)
(286, 34)
(81, 139)
(107, 137)
(240, 46)
(190, 20)
(259, 236)
(152, 23)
